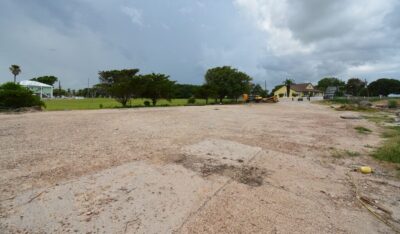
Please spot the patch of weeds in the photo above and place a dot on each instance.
(392, 104)
(391, 132)
(337, 154)
(390, 151)
(362, 130)
(344, 153)
(355, 107)
(368, 146)
(352, 153)
(378, 119)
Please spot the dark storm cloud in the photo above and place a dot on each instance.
(309, 39)
(269, 39)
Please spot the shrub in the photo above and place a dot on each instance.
(191, 100)
(392, 104)
(146, 103)
(101, 106)
(14, 96)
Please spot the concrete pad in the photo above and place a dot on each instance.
(223, 151)
(132, 198)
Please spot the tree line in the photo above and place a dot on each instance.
(359, 87)
(220, 83)
(353, 86)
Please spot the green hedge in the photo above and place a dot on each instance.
(14, 96)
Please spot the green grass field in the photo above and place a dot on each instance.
(106, 103)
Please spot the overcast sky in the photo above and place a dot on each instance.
(269, 39)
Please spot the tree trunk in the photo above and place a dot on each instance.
(15, 79)
(287, 90)
(206, 101)
(123, 102)
(154, 100)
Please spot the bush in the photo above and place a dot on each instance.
(392, 104)
(14, 96)
(146, 103)
(191, 100)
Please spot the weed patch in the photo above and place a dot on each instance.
(344, 153)
(390, 151)
(362, 130)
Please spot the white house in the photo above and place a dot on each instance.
(40, 89)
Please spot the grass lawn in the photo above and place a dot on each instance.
(99, 103)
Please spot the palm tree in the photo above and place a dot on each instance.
(15, 70)
(288, 83)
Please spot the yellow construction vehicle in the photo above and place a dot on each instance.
(258, 99)
(273, 99)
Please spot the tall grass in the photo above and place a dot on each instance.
(390, 151)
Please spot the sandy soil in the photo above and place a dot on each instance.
(267, 168)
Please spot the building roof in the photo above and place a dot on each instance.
(34, 83)
(303, 87)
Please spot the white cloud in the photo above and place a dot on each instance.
(134, 14)
(271, 17)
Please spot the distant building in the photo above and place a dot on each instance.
(330, 92)
(39, 89)
(298, 90)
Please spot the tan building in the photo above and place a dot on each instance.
(298, 90)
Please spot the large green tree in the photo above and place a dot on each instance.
(384, 86)
(15, 70)
(50, 80)
(227, 81)
(354, 86)
(240, 84)
(122, 84)
(158, 86)
(185, 90)
(205, 92)
(258, 90)
(329, 81)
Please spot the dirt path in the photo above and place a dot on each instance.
(268, 168)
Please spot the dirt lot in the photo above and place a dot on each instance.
(267, 168)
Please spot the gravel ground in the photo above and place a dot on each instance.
(262, 168)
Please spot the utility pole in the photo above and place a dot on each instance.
(88, 90)
(265, 86)
(59, 88)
